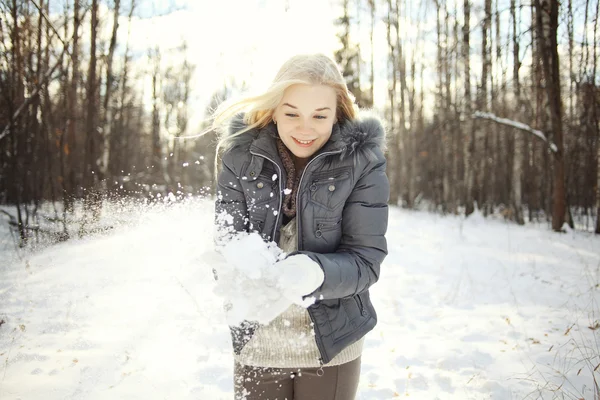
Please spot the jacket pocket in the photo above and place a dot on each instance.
(330, 189)
(261, 191)
(326, 225)
(262, 197)
(361, 306)
(355, 315)
(327, 234)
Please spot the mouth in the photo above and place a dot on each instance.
(303, 143)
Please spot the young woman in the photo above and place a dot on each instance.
(302, 169)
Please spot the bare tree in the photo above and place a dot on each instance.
(547, 30)
(518, 143)
(348, 55)
(468, 131)
(108, 90)
(157, 160)
(92, 202)
(392, 83)
(372, 61)
(70, 167)
(596, 119)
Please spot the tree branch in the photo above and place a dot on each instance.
(517, 125)
(9, 215)
(65, 45)
(33, 96)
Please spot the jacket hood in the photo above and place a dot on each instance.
(350, 136)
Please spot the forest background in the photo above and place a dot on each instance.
(491, 104)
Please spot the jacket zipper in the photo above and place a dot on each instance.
(298, 223)
(360, 305)
(279, 178)
(343, 175)
(298, 208)
(324, 227)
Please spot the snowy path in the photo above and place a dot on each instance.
(468, 310)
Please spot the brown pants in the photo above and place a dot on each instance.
(331, 383)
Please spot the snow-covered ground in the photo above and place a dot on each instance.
(468, 309)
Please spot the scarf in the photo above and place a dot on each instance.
(293, 180)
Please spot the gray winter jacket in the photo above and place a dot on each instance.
(342, 218)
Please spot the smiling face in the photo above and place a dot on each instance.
(305, 118)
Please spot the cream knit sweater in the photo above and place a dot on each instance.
(289, 340)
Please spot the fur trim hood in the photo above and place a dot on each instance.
(363, 133)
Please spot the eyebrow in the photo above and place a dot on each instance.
(318, 109)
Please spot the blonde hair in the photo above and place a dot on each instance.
(311, 69)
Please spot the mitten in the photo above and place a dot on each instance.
(299, 276)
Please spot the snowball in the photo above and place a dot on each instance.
(247, 279)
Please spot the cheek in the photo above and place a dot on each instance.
(325, 131)
(285, 130)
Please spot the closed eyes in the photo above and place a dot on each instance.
(315, 117)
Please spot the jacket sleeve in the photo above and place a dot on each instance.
(231, 212)
(355, 266)
(231, 217)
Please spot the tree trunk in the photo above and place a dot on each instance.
(456, 151)
(156, 145)
(372, 63)
(117, 141)
(69, 179)
(481, 138)
(107, 113)
(441, 120)
(518, 143)
(571, 47)
(598, 182)
(448, 143)
(468, 131)
(401, 71)
(393, 131)
(17, 97)
(596, 118)
(91, 199)
(547, 28)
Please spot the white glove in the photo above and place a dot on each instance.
(254, 301)
(257, 298)
(299, 276)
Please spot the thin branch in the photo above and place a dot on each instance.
(33, 96)
(52, 26)
(10, 216)
(517, 125)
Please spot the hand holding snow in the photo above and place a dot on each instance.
(301, 276)
(255, 285)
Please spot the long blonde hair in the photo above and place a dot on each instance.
(311, 69)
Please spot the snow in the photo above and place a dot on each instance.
(468, 309)
(517, 125)
(247, 279)
(250, 282)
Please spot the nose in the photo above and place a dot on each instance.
(304, 126)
